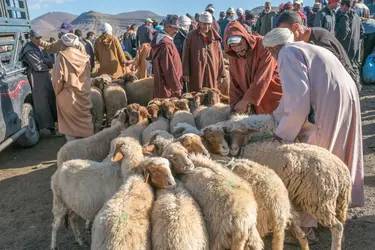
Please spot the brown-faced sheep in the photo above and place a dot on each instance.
(98, 108)
(124, 220)
(115, 99)
(82, 186)
(177, 221)
(168, 108)
(214, 138)
(160, 123)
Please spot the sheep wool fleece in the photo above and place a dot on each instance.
(71, 83)
(312, 77)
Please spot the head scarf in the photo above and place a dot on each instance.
(234, 39)
(205, 17)
(278, 36)
(185, 22)
(106, 28)
(70, 40)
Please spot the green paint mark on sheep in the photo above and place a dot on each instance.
(231, 184)
(124, 217)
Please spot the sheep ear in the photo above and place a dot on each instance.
(117, 156)
(147, 150)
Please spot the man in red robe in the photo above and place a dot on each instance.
(261, 90)
(166, 61)
(202, 59)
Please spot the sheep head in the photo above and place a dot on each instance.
(193, 143)
(102, 80)
(158, 142)
(132, 110)
(154, 111)
(213, 97)
(238, 134)
(130, 78)
(214, 138)
(143, 115)
(168, 109)
(120, 117)
(178, 156)
(182, 104)
(157, 172)
(199, 99)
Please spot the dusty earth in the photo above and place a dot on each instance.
(25, 198)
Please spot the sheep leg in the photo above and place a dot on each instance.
(77, 234)
(88, 226)
(278, 239)
(300, 235)
(254, 241)
(59, 211)
(337, 231)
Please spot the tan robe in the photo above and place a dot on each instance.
(71, 82)
(140, 60)
(109, 53)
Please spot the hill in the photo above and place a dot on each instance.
(49, 22)
(91, 21)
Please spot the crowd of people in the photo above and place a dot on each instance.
(301, 65)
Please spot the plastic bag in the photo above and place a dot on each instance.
(368, 71)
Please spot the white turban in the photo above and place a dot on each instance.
(205, 17)
(70, 40)
(106, 28)
(278, 36)
(234, 39)
(185, 22)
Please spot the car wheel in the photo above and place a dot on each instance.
(31, 135)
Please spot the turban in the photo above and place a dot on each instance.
(234, 39)
(106, 28)
(278, 36)
(70, 40)
(205, 17)
(240, 10)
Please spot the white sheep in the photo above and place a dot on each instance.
(160, 124)
(211, 115)
(114, 99)
(318, 182)
(124, 220)
(262, 123)
(119, 118)
(140, 91)
(227, 203)
(185, 128)
(177, 221)
(181, 116)
(84, 149)
(83, 186)
(98, 108)
(274, 208)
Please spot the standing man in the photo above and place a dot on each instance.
(222, 17)
(38, 66)
(265, 20)
(90, 40)
(261, 92)
(349, 32)
(166, 61)
(211, 9)
(333, 97)
(281, 10)
(249, 23)
(297, 7)
(326, 18)
(144, 33)
(228, 19)
(88, 46)
(179, 38)
(71, 82)
(203, 58)
(109, 53)
(130, 40)
(320, 37)
(240, 15)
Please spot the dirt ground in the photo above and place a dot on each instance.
(25, 195)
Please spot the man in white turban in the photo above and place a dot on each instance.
(202, 59)
(109, 53)
(314, 80)
(71, 83)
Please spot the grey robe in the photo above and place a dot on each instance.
(44, 99)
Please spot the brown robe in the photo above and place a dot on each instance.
(202, 61)
(167, 67)
(237, 69)
(71, 83)
(108, 52)
(140, 60)
(262, 87)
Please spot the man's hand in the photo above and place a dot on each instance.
(186, 78)
(241, 107)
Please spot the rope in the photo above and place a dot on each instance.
(260, 137)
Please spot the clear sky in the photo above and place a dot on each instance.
(161, 7)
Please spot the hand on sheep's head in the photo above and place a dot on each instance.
(157, 172)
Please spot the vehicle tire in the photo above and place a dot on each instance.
(31, 135)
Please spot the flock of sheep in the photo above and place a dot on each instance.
(185, 174)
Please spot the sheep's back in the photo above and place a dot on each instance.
(85, 186)
(212, 115)
(94, 148)
(97, 110)
(160, 124)
(115, 99)
(140, 91)
(177, 221)
(124, 220)
(182, 117)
